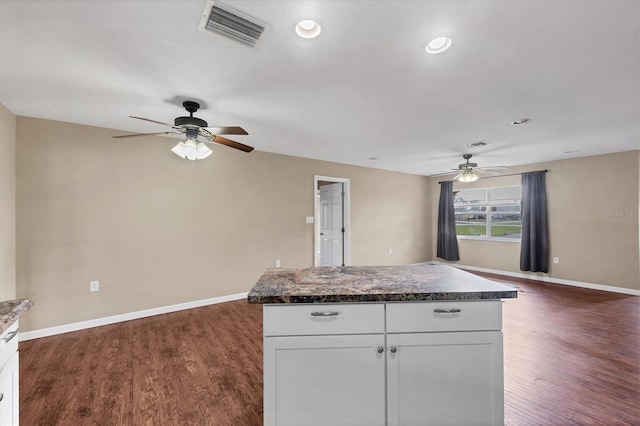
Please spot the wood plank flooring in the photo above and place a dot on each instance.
(572, 357)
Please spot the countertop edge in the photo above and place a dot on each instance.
(11, 311)
(366, 298)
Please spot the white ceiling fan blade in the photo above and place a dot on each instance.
(445, 173)
(484, 172)
(495, 168)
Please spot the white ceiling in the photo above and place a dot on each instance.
(364, 88)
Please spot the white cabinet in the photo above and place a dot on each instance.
(324, 364)
(9, 376)
(445, 378)
(324, 380)
(403, 363)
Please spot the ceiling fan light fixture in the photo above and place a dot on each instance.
(468, 177)
(190, 149)
(438, 45)
(179, 149)
(308, 28)
(203, 151)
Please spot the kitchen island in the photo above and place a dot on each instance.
(381, 345)
(10, 312)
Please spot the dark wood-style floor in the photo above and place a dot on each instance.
(572, 357)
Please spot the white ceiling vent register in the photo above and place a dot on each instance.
(224, 20)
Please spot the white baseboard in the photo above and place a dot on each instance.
(545, 278)
(66, 328)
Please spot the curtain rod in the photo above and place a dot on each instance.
(510, 174)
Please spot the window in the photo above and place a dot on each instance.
(488, 213)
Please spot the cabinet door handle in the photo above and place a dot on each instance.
(9, 337)
(380, 349)
(446, 311)
(1, 396)
(393, 349)
(325, 314)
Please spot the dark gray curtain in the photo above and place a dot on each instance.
(534, 249)
(447, 241)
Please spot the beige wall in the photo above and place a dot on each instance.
(7, 204)
(157, 230)
(593, 219)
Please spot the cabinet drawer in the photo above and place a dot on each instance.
(411, 317)
(322, 318)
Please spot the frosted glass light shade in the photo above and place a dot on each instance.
(203, 151)
(179, 149)
(468, 177)
(192, 150)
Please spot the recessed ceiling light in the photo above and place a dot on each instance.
(438, 45)
(308, 29)
(520, 121)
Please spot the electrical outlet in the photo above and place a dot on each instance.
(390, 251)
(277, 263)
(556, 260)
(94, 285)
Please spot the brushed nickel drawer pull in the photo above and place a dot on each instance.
(446, 311)
(10, 336)
(325, 314)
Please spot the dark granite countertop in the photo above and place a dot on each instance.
(425, 281)
(11, 310)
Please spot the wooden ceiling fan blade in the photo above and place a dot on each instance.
(153, 121)
(227, 130)
(135, 135)
(231, 144)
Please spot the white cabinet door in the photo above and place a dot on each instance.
(9, 392)
(324, 380)
(445, 378)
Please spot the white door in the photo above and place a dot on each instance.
(331, 225)
(324, 380)
(445, 378)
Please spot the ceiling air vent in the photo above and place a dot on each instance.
(477, 144)
(224, 20)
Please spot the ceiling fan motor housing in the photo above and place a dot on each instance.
(190, 121)
(191, 107)
(467, 165)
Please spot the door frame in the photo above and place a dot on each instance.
(347, 217)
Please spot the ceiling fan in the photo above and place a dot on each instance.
(468, 172)
(192, 127)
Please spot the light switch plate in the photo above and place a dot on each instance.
(309, 219)
(94, 285)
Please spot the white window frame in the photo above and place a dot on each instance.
(487, 211)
